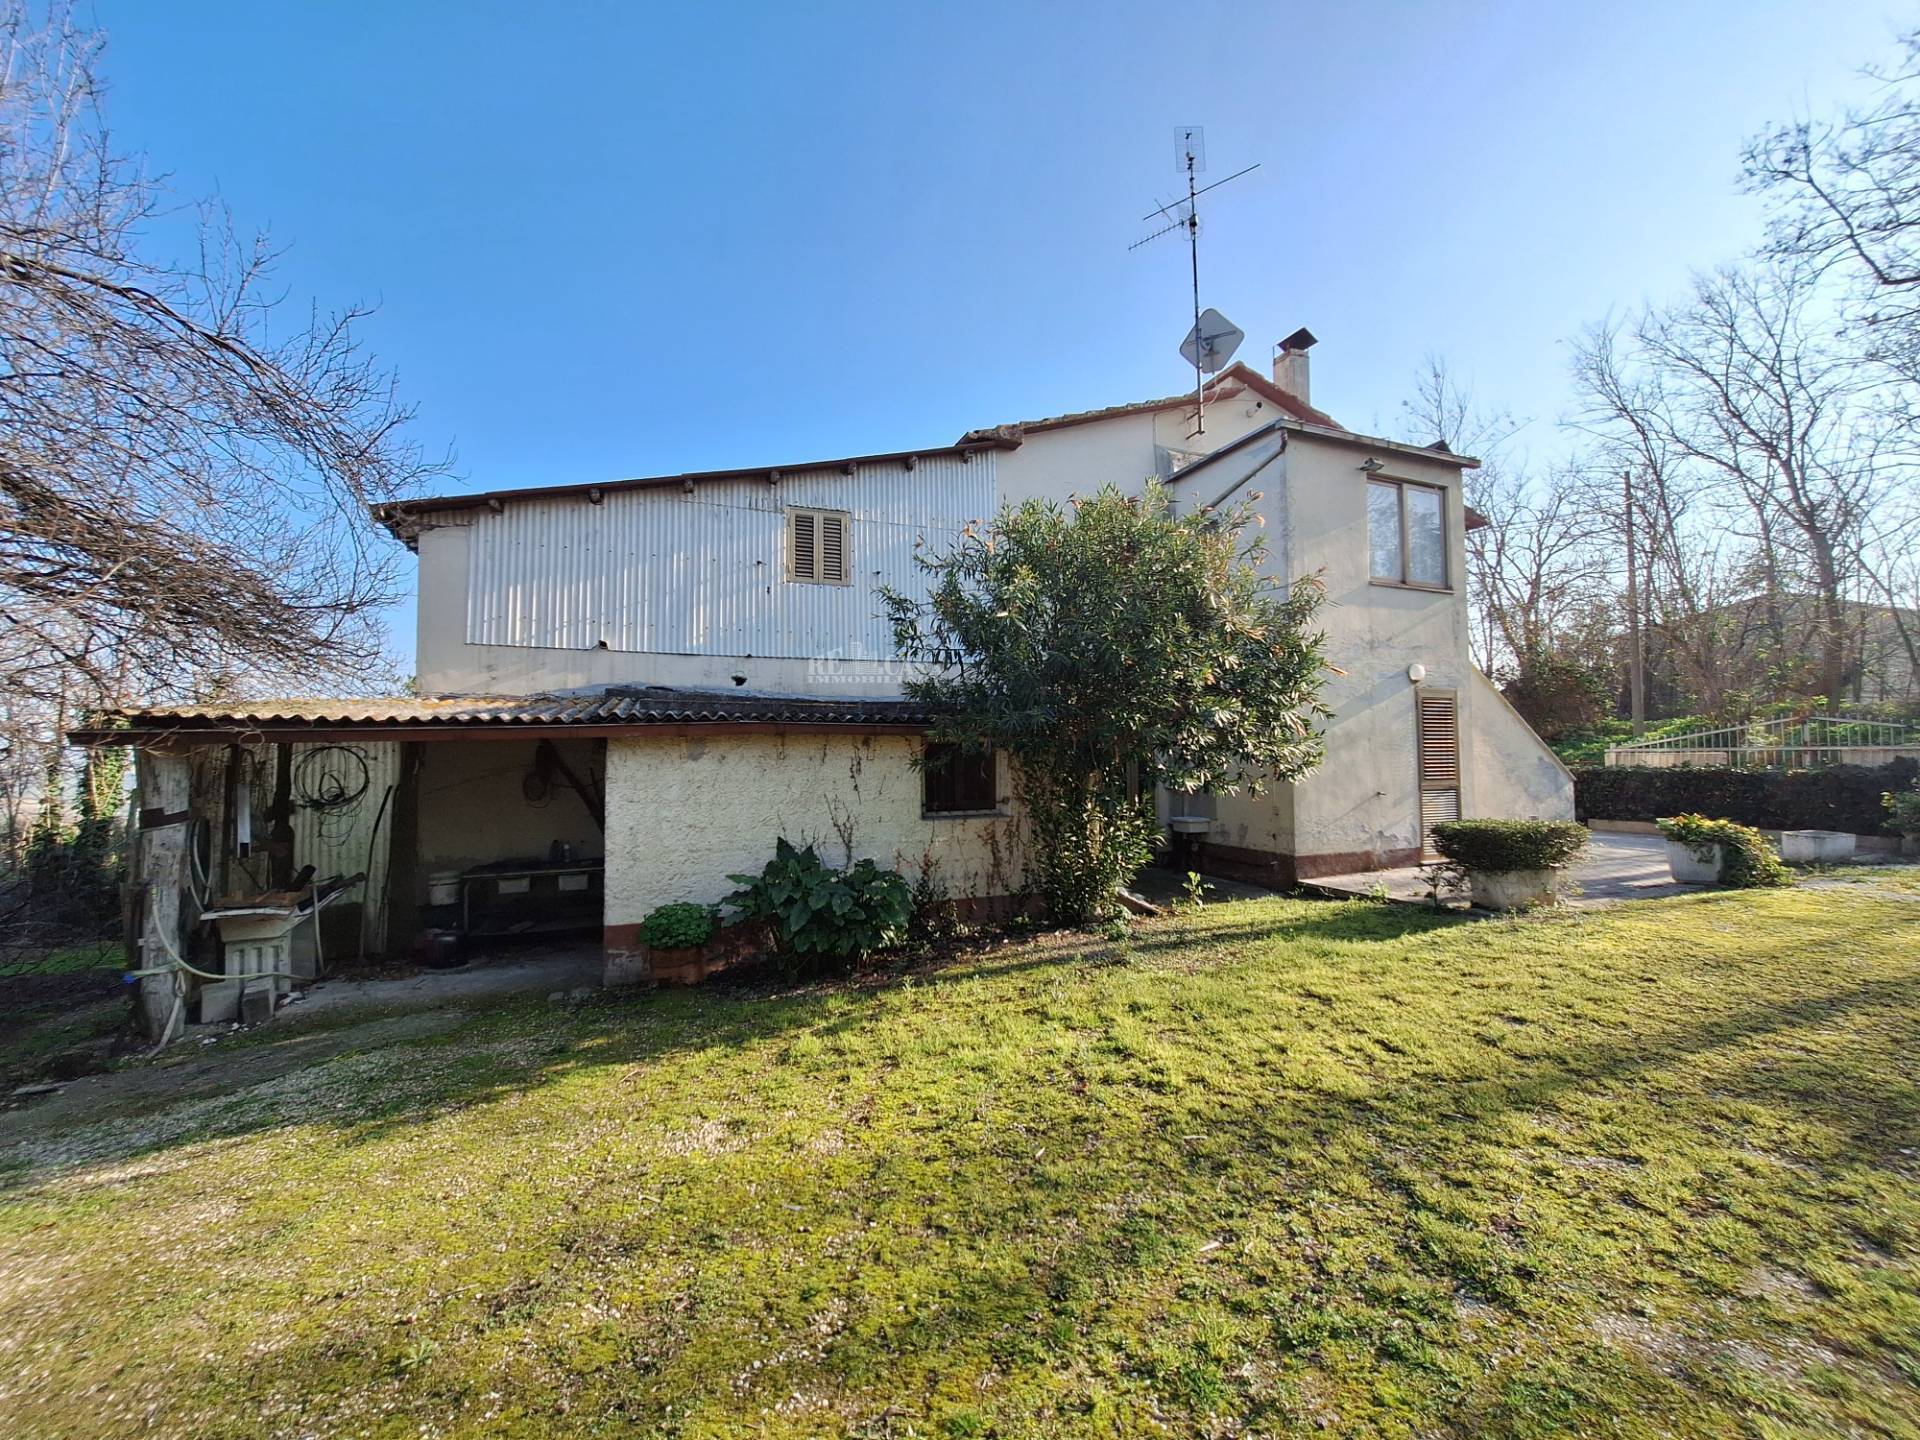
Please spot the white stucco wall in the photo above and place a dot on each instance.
(1362, 805)
(1511, 774)
(1123, 451)
(684, 813)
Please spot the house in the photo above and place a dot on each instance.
(629, 688)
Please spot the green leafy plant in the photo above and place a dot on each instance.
(1748, 861)
(1903, 810)
(1500, 847)
(1837, 797)
(679, 925)
(820, 915)
(1108, 646)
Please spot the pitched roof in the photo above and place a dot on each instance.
(400, 517)
(404, 518)
(616, 708)
(1236, 379)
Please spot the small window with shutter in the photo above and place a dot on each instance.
(1439, 740)
(819, 547)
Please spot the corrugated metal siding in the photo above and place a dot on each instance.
(344, 841)
(704, 574)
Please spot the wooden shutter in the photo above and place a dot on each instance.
(806, 554)
(817, 547)
(1439, 738)
(833, 548)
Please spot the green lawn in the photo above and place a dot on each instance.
(1275, 1168)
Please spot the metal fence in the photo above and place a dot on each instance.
(1809, 742)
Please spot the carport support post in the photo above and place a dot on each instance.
(166, 783)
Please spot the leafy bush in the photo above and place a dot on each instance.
(1498, 847)
(678, 926)
(1747, 862)
(1903, 809)
(1841, 797)
(821, 914)
(1109, 643)
(1560, 692)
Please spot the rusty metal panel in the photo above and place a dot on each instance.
(703, 573)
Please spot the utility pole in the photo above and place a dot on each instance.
(1636, 652)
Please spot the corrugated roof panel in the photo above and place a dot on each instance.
(652, 705)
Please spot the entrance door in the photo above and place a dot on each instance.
(1438, 733)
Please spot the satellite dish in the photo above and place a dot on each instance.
(1211, 342)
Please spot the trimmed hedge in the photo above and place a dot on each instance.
(1842, 797)
(1499, 847)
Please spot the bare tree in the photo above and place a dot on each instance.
(1762, 446)
(1849, 198)
(1536, 566)
(185, 465)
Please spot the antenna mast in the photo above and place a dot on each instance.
(1191, 157)
(1187, 146)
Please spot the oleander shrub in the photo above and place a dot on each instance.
(819, 915)
(1748, 859)
(1499, 847)
(1841, 797)
(678, 926)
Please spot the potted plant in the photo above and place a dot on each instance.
(675, 936)
(1719, 852)
(1903, 811)
(1510, 864)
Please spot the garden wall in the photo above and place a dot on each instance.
(1842, 797)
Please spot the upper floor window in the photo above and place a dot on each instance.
(1407, 533)
(956, 780)
(818, 548)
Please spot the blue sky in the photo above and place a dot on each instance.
(611, 240)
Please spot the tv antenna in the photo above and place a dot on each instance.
(1213, 339)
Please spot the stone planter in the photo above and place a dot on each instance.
(1689, 869)
(1815, 847)
(1514, 889)
(644, 964)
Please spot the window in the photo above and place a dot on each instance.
(817, 547)
(958, 781)
(1407, 533)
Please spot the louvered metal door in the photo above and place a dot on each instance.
(1439, 741)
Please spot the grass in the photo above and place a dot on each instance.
(1268, 1169)
(68, 959)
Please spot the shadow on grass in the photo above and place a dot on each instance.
(1116, 1237)
(636, 1029)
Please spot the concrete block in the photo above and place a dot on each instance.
(219, 1002)
(256, 1003)
(1688, 869)
(625, 967)
(1815, 847)
(1515, 889)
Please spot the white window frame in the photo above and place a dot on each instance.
(1400, 488)
(819, 519)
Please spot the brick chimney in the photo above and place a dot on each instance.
(1290, 365)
